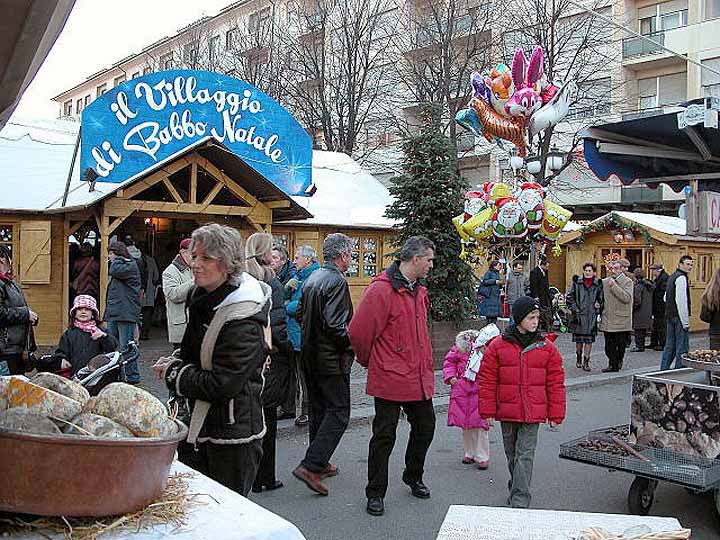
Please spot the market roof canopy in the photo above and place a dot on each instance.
(665, 228)
(670, 148)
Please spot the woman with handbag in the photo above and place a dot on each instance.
(489, 293)
(585, 300)
(16, 320)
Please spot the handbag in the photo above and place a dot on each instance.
(30, 360)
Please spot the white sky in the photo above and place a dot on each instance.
(97, 34)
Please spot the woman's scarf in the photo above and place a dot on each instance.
(90, 326)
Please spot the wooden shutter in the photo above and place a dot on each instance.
(35, 252)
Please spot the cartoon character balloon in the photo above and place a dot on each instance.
(474, 202)
(552, 113)
(526, 100)
(501, 87)
(494, 124)
(509, 220)
(556, 217)
(531, 201)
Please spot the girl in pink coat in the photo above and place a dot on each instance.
(460, 370)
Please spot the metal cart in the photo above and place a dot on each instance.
(696, 474)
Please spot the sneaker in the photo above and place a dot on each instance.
(302, 420)
(375, 506)
(468, 460)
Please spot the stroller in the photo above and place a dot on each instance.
(561, 311)
(107, 368)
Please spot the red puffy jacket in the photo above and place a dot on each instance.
(390, 337)
(519, 385)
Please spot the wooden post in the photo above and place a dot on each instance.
(66, 272)
(193, 182)
(104, 226)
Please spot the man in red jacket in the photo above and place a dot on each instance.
(522, 384)
(389, 334)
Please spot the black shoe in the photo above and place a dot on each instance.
(637, 349)
(257, 488)
(284, 415)
(375, 506)
(609, 370)
(658, 348)
(418, 489)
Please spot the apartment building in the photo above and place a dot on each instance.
(641, 79)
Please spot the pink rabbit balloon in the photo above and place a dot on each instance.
(526, 99)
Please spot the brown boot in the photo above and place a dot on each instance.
(330, 470)
(586, 363)
(311, 479)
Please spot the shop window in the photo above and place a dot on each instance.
(282, 240)
(364, 262)
(704, 269)
(6, 236)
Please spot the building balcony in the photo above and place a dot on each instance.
(634, 46)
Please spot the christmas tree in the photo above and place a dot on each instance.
(427, 196)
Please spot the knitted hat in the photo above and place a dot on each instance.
(522, 307)
(85, 301)
(185, 243)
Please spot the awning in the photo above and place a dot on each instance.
(674, 147)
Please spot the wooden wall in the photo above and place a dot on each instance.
(666, 254)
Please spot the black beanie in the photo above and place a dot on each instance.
(522, 307)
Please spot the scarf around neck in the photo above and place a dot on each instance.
(90, 326)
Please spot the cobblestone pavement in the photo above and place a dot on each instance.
(152, 349)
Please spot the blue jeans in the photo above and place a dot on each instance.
(676, 344)
(124, 332)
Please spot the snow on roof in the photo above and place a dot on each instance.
(35, 157)
(664, 224)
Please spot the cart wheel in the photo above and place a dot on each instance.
(641, 495)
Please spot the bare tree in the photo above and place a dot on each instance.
(337, 64)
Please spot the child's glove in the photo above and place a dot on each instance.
(98, 334)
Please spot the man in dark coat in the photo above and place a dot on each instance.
(284, 269)
(642, 309)
(657, 338)
(678, 310)
(540, 290)
(325, 311)
(389, 334)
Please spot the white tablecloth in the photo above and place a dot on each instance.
(490, 523)
(231, 517)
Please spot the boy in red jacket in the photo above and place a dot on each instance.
(522, 384)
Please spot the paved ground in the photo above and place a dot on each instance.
(557, 484)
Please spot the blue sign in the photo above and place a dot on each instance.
(147, 121)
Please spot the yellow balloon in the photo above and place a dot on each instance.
(458, 222)
(554, 220)
(480, 225)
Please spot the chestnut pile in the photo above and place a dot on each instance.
(704, 355)
(607, 447)
(621, 432)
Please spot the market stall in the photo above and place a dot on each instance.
(487, 522)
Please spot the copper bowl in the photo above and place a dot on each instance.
(83, 476)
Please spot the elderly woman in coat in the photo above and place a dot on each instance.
(258, 252)
(585, 301)
(489, 293)
(15, 319)
(177, 281)
(642, 309)
(219, 369)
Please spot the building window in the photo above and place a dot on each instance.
(365, 256)
(711, 81)
(190, 53)
(147, 70)
(214, 49)
(257, 22)
(67, 108)
(136, 75)
(87, 100)
(118, 80)
(662, 91)
(712, 9)
(593, 99)
(6, 237)
(231, 39)
(100, 90)
(79, 106)
(166, 61)
(665, 16)
(704, 269)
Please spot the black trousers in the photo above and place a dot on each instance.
(615, 345)
(329, 417)
(232, 465)
(640, 338)
(148, 313)
(659, 330)
(15, 363)
(266, 470)
(421, 416)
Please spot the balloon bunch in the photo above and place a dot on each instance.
(515, 104)
(494, 215)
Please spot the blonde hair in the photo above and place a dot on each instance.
(256, 246)
(711, 297)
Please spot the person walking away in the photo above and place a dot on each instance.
(710, 310)
(516, 285)
(305, 264)
(390, 336)
(147, 301)
(218, 369)
(83, 340)
(522, 384)
(489, 293)
(677, 314)
(16, 319)
(540, 290)
(284, 269)
(325, 311)
(642, 309)
(86, 273)
(122, 311)
(177, 282)
(462, 363)
(657, 338)
(585, 301)
(258, 256)
(616, 318)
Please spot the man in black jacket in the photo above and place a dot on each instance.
(325, 311)
(677, 314)
(540, 290)
(657, 337)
